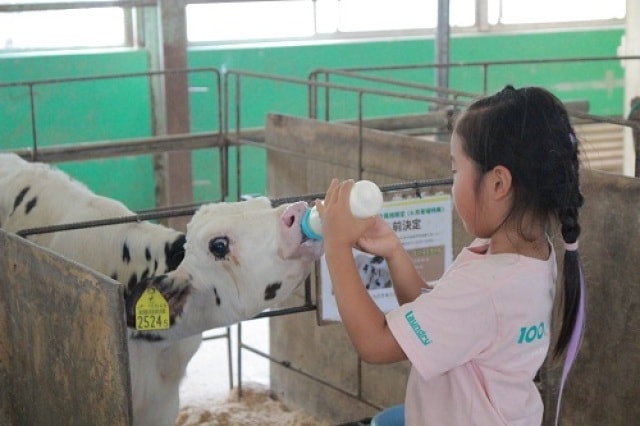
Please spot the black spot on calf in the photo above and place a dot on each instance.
(147, 336)
(31, 204)
(19, 198)
(133, 280)
(271, 291)
(147, 254)
(126, 256)
(174, 253)
(144, 274)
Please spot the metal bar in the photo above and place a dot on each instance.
(238, 97)
(327, 99)
(288, 365)
(485, 79)
(346, 88)
(239, 354)
(108, 221)
(287, 311)
(110, 76)
(360, 134)
(312, 99)
(307, 292)
(224, 152)
(136, 146)
(490, 63)
(225, 335)
(402, 122)
(221, 128)
(400, 83)
(229, 357)
(34, 131)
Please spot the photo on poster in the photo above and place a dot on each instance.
(424, 225)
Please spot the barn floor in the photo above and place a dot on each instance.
(205, 395)
(208, 371)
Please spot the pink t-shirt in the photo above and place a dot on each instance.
(477, 340)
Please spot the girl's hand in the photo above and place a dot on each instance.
(339, 227)
(380, 240)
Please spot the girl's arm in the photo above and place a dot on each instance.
(381, 240)
(364, 321)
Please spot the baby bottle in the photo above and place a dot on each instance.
(365, 201)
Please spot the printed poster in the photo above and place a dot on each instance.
(425, 227)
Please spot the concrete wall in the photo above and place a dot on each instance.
(338, 387)
(603, 387)
(63, 348)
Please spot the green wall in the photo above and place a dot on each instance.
(114, 109)
(74, 112)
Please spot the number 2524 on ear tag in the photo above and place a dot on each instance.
(152, 311)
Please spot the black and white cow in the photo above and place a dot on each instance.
(35, 195)
(238, 259)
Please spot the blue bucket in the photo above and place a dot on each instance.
(392, 416)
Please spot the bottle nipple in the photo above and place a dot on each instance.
(311, 225)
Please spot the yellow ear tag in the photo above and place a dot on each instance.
(152, 311)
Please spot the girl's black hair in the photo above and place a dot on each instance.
(528, 131)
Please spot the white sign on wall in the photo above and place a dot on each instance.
(425, 227)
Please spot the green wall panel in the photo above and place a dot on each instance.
(599, 82)
(73, 112)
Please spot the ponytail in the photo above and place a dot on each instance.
(573, 291)
(573, 317)
(573, 312)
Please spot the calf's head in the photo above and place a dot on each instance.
(240, 258)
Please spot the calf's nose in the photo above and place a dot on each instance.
(292, 215)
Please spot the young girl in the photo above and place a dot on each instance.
(478, 337)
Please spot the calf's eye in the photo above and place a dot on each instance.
(219, 247)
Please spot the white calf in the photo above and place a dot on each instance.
(239, 259)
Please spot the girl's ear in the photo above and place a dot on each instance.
(500, 182)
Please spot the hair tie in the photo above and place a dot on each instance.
(571, 246)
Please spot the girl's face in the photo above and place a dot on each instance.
(465, 187)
